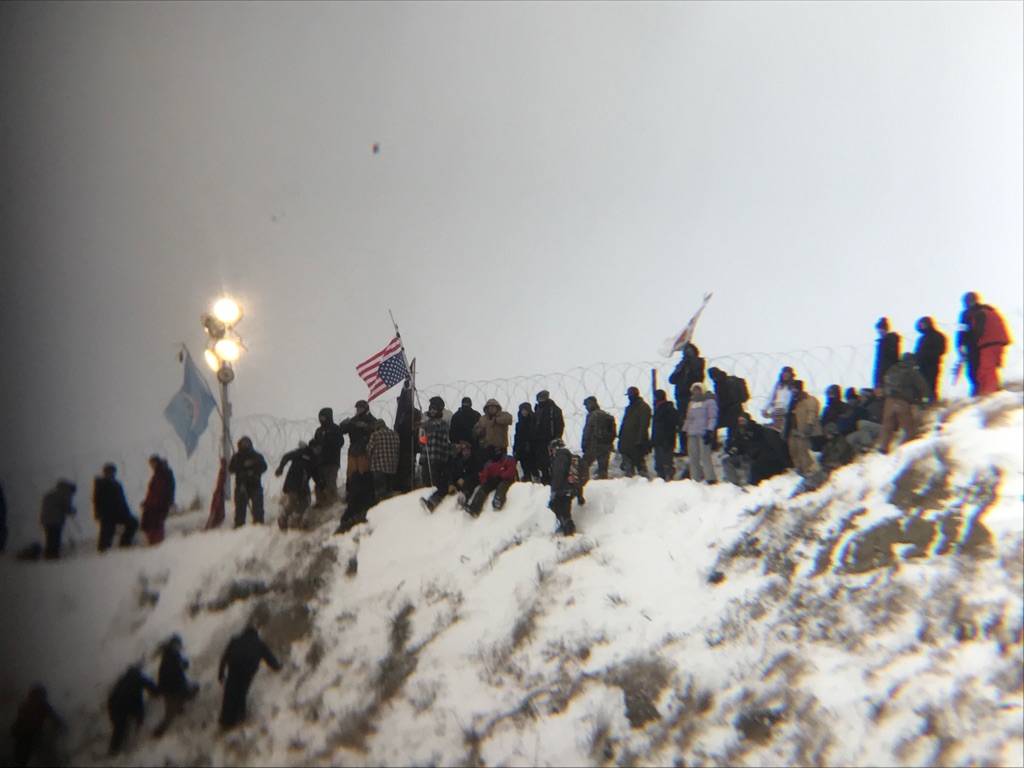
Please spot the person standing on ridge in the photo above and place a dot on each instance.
(463, 421)
(248, 467)
(159, 500)
(931, 347)
(598, 440)
(689, 371)
(548, 424)
(699, 427)
(664, 432)
(110, 508)
(522, 449)
(981, 340)
(326, 445)
(887, 352)
(303, 466)
(56, 509)
(634, 440)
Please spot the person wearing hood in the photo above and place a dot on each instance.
(303, 467)
(56, 508)
(359, 427)
(438, 450)
(326, 445)
(689, 371)
(887, 353)
(930, 349)
(904, 387)
(159, 500)
(664, 431)
(172, 683)
(110, 508)
(497, 475)
(634, 434)
(597, 440)
(835, 407)
(522, 449)
(248, 467)
(701, 418)
(731, 393)
(237, 668)
(492, 427)
(548, 425)
(463, 421)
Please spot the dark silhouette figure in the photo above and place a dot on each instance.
(29, 729)
(110, 508)
(240, 661)
(173, 684)
(126, 704)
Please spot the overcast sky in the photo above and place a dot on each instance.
(557, 185)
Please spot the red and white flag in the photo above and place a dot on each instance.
(385, 369)
(674, 344)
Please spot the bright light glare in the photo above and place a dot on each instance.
(227, 311)
(227, 349)
(211, 359)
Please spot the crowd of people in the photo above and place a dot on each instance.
(37, 721)
(469, 455)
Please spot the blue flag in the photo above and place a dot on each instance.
(189, 410)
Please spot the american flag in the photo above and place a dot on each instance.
(385, 369)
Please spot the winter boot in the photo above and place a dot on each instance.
(567, 526)
(428, 504)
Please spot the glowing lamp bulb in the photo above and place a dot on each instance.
(227, 349)
(211, 359)
(227, 311)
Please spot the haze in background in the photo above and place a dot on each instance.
(557, 185)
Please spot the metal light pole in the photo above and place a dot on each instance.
(223, 348)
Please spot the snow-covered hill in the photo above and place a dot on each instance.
(876, 621)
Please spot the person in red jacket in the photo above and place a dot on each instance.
(981, 341)
(158, 501)
(497, 475)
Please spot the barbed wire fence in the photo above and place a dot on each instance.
(849, 365)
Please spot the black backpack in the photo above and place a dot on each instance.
(738, 391)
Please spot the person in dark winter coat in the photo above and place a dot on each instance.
(110, 508)
(731, 393)
(689, 371)
(904, 387)
(548, 424)
(836, 451)
(172, 683)
(463, 421)
(835, 408)
(562, 489)
(326, 445)
(238, 666)
(866, 420)
(930, 349)
(303, 467)
(125, 704)
(159, 500)
(56, 508)
(359, 427)
(887, 353)
(664, 431)
(438, 451)
(754, 452)
(464, 470)
(598, 440)
(406, 417)
(497, 476)
(522, 449)
(29, 731)
(634, 434)
(248, 467)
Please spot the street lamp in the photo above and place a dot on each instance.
(223, 347)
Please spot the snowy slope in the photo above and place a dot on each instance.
(876, 621)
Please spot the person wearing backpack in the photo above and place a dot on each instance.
(598, 440)
(634, 434)
(731, 393)
(565, 485)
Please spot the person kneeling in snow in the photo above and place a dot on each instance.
(565, 485)
(497, 475)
